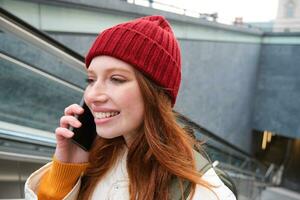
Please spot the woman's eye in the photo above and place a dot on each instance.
(88, 80)
(117, 80)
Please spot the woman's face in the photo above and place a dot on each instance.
(113, 96)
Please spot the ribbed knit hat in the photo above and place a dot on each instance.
(149, 45)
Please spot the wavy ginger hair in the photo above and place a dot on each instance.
(160, 152)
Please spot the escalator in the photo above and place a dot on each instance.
(38, 78)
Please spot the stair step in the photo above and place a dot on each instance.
(277, 193)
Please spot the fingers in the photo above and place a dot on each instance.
(69, 120)
(73, 110)
(65, 121)
(63, 133)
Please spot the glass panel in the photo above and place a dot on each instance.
(30, 99)
(35, 84)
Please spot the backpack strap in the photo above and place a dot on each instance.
(175, 191)
(202, 165)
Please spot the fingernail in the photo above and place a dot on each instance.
(71, 134)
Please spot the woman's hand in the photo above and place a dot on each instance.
(66, 151)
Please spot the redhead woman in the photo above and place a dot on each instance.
(140, 151)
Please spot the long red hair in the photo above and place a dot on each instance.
(161, 152)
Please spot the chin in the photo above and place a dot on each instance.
(106, 134)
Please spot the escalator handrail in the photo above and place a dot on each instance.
(4, 13)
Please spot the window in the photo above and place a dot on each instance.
(290, 8)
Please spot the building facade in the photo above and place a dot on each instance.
(288, 16)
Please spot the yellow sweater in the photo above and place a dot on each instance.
(60, 180)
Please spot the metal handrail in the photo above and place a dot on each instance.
(16, 26)
(26, 134)
(41, 72)
(239, 170)
(245, 156)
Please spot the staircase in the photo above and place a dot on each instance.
(278, 193)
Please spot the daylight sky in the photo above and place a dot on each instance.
(250, 10)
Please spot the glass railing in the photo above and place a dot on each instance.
(38, 78)
(229, 156)
(249, 175)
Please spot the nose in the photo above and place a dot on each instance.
(96, 95)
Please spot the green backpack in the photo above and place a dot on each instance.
(203, 165)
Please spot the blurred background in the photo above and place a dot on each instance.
(240, 91)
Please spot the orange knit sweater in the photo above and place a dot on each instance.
(60, 179)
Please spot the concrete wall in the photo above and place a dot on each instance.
(278, 92)
(218, 88)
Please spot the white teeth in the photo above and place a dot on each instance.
(101, 115)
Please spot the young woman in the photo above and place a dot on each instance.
(140, 152)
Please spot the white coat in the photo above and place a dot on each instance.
(114, 186)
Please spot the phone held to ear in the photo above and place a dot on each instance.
(84, 135)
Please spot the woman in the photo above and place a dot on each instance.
(134, 73)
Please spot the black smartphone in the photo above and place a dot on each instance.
(84, 136)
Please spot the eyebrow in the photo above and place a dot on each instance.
(110, 70)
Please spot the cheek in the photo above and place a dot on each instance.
(132, 101)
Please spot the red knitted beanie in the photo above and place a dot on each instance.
(149, 45)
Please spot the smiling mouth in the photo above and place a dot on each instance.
(103, 115)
